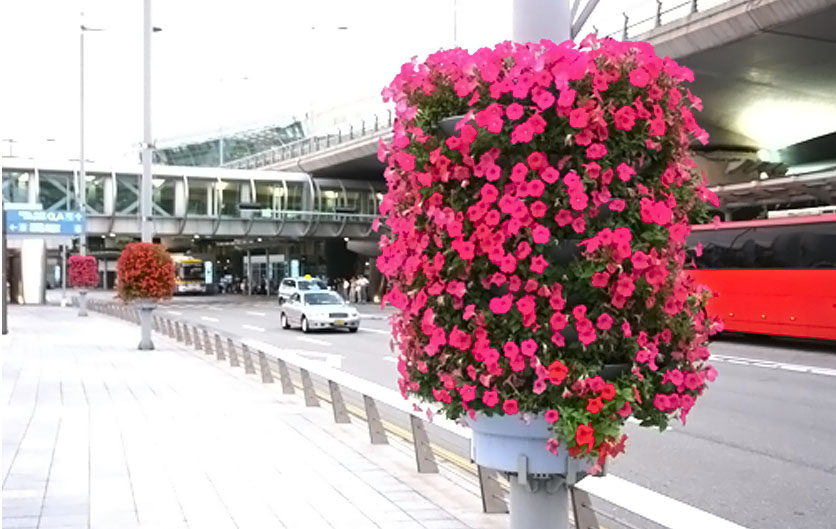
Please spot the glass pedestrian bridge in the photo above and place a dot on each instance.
(199, 201)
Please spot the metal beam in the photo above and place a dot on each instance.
(578, 23)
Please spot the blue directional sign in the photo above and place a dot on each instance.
(31, 222)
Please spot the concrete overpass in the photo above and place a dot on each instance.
(765, 70)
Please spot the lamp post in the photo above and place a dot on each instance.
(146, 189)
(82, 174)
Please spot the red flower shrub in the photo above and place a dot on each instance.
(82, 271)
(544, 238)
(145, 271)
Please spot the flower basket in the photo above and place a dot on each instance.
(539, 197)
(145, 272)
(82, 271)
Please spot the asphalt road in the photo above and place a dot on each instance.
(759, 448)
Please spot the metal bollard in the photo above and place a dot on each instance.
(219, 348)
(424, 457)
(264, 367)
(187, 334)
(338, 404)
(233, 354)
(493, 497)
(284, 377)
(377, 434)
(178, 331)
(308, 388)
(207, 344)
(249, 368)
(197, 344)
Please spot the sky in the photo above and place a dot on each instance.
(218, 68)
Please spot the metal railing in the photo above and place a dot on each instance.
(294, 372)
(377, 124)
(640, 21)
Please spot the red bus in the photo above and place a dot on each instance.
(773, 276)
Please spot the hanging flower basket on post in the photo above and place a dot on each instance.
(82, 273)
(146, 276)
(537, 247)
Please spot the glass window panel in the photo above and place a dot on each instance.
(163, 196)
(199, 197)
(95, 192)
(127, 193)
(352, 200)
(229, 196)
(56, 190)
(329, 199)
(16, 185)
(295, 194)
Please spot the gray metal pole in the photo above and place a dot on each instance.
(82, 176)
(249, 273)
(533, 20)
(268, 272)
(63, 275)
(146, 190)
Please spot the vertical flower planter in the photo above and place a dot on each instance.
(539, 197)
(146, 276)
(82, 273)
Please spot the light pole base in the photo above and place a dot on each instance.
(145, 310)
(82, 303)
(538, 503)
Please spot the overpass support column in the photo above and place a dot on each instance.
(534, 20)
(179, 198)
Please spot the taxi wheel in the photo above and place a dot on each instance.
(285, 323)
(305, 327)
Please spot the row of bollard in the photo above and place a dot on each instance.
(199, 337)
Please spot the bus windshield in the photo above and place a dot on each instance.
(190, 271)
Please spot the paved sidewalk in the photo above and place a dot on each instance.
(97, 434)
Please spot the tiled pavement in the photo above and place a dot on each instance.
(97, 434)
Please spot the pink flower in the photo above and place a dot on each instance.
(567, 98)
(557, 372)
(639, 77)
(536, 188)
(469, 311)
(625, 410)
(595, 151)
(526, 305)
(528, 347)
(625, 172)
(600, 279)
(624, 286)
(617, 204)
(625, 328)
(540, 234)
(523, 250)
(456, 288)
(510, 406)
(538, 209)
(604, 321)
(539, 386)
(539, 264)
(502, 304)
(468, 392)
(550, 175)
(579, 201)
(542, 98)
(552, 416)
(594, 405)
(490, 398)
(537, 160)
(710, 373)
(519, 172)
(514, 111)
(625, 118)
(640, 260)
(578, 118)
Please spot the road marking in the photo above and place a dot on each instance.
(209, 318)
(252, 313)
(253, 328)
(313, 340)
(767, 364)
(393, 359)
(378, 331)
(175, 312)
(331, 360)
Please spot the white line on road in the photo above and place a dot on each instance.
(252, 313)
(215, 308)
(313, 340)
(209, 318)
(775, 365)
(253, 328)
(175, 312)
(378, 331)
(390, 358)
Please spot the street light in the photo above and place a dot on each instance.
(145, 196)
(82, 178)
